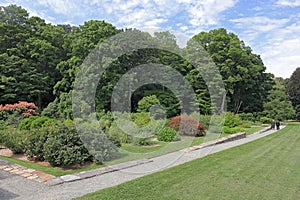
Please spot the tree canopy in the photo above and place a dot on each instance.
(39, 62)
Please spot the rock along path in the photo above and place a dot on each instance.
(17, 187)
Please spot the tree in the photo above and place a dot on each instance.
(242, 71)
(30, 49)
(279, 106)
(293, 91)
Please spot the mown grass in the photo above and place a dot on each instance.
(267, 168)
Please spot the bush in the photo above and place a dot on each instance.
(245, 125)
(3, 125)
(185, 125)
(14, 140)
(117, 134)
(205, 119)
(105, 120)
(142, 141)
(265, 120)
(51, 110)
(36, 141)
(63, 147)
(26, 123)
(41, 122)
(247, 117)
(141, 119)
(147, 102)
(232, 130)
(231, 120)
(167, 134)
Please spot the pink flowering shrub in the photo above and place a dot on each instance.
(22, 108)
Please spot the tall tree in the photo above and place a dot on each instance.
(243, 72)
(293, 90)
(279, 106)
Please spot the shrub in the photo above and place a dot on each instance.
(41, 122)
(205, 119)
(63, 147)
(105, 120)
(26, 123)
(247, 117)
(142, 141)
(232, 130)
(22, 107)
(147, 102)
(141, 119)
(167, 134)
(3, 125)
(14, 140)
(96, 140)
(231, 120)
(185, 125)
(117, 134)
(51, 110)
(36, 141)
(245, 125)
(265, 120)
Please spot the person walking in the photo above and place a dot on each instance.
(277, 125)
(273, 124)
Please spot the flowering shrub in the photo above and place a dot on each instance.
(24, 108)
(186, 125)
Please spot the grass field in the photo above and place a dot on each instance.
(268, 168)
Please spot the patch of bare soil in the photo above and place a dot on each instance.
(8, 153)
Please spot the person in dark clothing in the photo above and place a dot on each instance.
(277, 125)
(273, 124)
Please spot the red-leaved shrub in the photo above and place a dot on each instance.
(185, 125)
(25, 108)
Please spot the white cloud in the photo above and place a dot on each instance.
(290, 3)
(276, 40)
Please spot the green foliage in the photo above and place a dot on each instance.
(147, 102)
(231, 120)
(35, 122)
(167, 134)
(141, 119)
(35, 143)
(3, 125)
(14, 140)
(247, 117)
(265, 120)
(142, 141)
(241, 69)
(26, 123)
(293, 91)
(117, 134)
(105, 120)
(63, 147)
(232, 130)
(279, 106)
(51, 110)
(205, 120)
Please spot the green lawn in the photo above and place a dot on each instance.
(268, 168)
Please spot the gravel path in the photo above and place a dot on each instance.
(15, 187)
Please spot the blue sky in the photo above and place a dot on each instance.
(270, 27)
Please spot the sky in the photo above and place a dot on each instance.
(270, 27)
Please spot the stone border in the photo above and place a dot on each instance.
(229, 138)
(94, 172)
